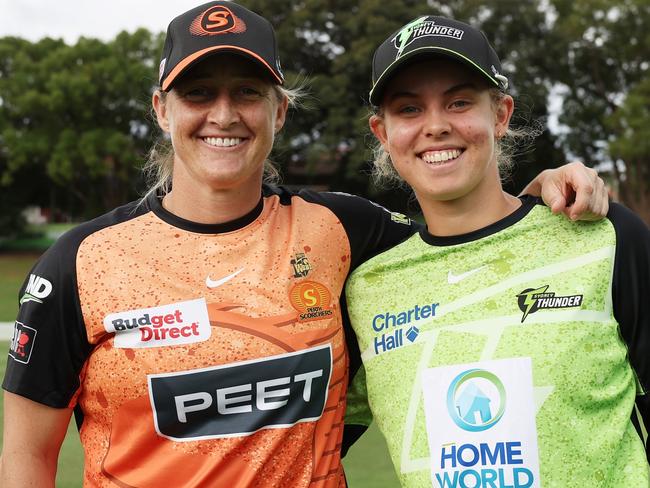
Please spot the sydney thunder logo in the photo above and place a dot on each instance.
(533, 299)
(423, 28)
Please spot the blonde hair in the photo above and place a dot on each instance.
(159, 166)
(513, 142)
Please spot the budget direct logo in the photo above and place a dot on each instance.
(533, 299)
(167, 325)
(241, 398)
(476, 400)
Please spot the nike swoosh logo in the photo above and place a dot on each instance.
(215, 283)
(452, 279)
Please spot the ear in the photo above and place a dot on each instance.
(160, 107)
(281, 114)
(378, 128)
(503, 114)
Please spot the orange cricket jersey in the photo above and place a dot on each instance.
(201, 355)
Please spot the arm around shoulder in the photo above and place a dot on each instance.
(33, 434)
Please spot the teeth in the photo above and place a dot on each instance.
(222, 141)
(440, 156)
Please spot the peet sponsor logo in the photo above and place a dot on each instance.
(173, 324)
(533, 299)
(391, 325)
(241, 398)
(311, 300)
(22, 343)
(37, 289)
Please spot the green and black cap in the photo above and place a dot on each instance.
(429, 35)
(218, 27)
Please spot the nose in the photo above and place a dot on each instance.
(436, 124)
(223, 111)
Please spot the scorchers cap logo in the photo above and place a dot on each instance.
(166, 325)
(533, 299)
(217, 20)
(311, 300)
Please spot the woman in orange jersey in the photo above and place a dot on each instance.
(197, 334)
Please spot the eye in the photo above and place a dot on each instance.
(407, 109)
(460, 103)
(197, 93)
(250, 92)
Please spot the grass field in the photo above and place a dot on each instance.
(367, 464)
(13, 269)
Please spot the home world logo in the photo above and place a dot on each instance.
(485, 435)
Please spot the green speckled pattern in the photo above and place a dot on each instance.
(584, 385)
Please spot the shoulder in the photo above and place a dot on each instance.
(627, 224)
(66, 246)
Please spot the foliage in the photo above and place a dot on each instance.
(602, 60)
(74, 124)
(72, 119)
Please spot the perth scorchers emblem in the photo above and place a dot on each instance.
(217, 20)
(311, 300)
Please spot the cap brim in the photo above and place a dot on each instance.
(189, 61)
(377, 90)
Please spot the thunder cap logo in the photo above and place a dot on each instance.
(217, 20)
(403, 37)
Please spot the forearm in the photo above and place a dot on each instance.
(33, 434)
(26, 470)
(534, 188)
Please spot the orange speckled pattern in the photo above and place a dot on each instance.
(146, 262)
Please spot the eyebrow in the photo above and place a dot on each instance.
(456, 88)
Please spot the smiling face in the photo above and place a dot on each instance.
(439, 124)
(222, 116)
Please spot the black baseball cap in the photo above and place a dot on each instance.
(429, 35)
(218, 27)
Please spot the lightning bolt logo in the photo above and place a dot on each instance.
(527, 300)
(403, 36)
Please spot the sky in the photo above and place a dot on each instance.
(70, 19)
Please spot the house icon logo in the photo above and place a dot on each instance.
(476, 400)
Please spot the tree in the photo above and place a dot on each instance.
(332, 42)
(602, 60)
(73, 118)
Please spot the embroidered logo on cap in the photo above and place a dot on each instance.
(421, 28)
(217, 20)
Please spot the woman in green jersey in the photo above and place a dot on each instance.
(503, 346)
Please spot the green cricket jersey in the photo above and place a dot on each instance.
(515, 356)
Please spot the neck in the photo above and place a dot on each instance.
(208, 206)
(468, 213)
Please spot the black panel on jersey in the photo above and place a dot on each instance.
(631, 297)
(369, 226)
